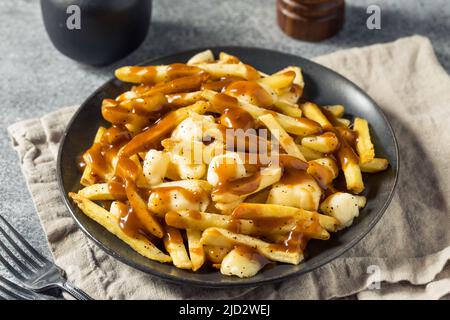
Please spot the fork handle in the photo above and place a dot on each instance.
(78, 294)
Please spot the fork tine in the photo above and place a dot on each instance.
(19, 250)
(11, 269)
(25, 243)
(19, 263)
(12, 294)
(16, 288)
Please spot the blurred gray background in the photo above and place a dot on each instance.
(35, 78)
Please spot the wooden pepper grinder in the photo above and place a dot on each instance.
(311, 20)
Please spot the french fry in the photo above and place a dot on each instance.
(185, 219)
(145, 105)
(344, 122)
(184, 99)
(313, 112)
(298, 81)
(324, 143)
(225, 238)
(201, 57)
(268, 176)
(196, 252)
(140, 207)
(136, 74)
(309, 153)
(227, 58)
(87, 178)
(324, 170)
(296, 126)
(183, 84)
(375, 165)
(336, 110)
(228, 207)
(282, 136)
(97, 191)
(364, 145)
(110, 222)
(353, 177)
(288, 108)
(215, 254)
(141, 181)
(147, 139)
(155, 74)
(279, 80)
(219, 70)
(173, 242)
(254, 211)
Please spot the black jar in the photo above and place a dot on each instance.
(96, 32)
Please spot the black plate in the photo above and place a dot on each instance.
(323, 86)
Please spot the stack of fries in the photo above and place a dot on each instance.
(166, 179)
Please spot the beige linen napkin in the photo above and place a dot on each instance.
(408, 249)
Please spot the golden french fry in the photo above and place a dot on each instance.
(324, 170)
(374, 165)
(336, 110)
(196, 252)
(140, 207)
(145, 140)
(137, 74)
(282, 136)
(173, 242)
(228, 58)
(324, 143)
(183, 99)
(186, 219)
(254, 211)
(87, 178)
(228, 207)
(155, 74)
(97, 191)
(225, 238)
(279, 80)
(141, 181)
(110, 222)
(201, 57)
(297, 126)
(309, 153)
(219, 70)
(344, 122)
(313, 112)
(288, 108)
(267, 177)
(364, 145)
(353, 177)
(298, 80)
(215, 254)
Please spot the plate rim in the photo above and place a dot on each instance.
(199, 283)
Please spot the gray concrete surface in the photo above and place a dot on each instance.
(36, 79)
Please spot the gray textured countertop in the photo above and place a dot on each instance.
(36, 79)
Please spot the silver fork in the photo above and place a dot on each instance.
(32, 269)
(10, 290)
